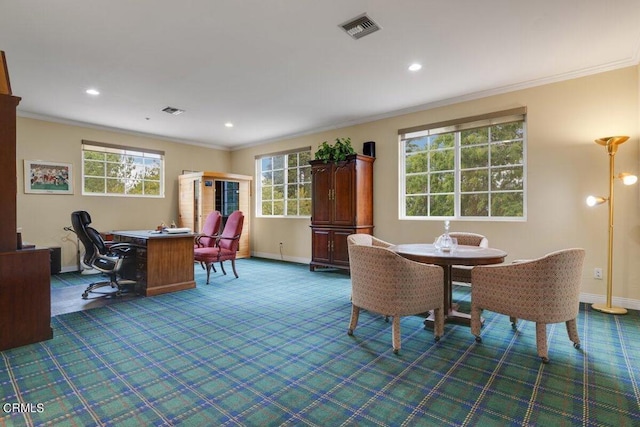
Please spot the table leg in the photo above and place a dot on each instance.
(452, 314)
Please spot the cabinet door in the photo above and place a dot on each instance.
(340, 247)
(344, 194)
(25, 297)
(320, 242)
(322, 184)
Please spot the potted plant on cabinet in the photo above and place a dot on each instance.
(335, 153)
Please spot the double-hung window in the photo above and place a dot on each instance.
(113, 170)
(284, 184)
(471, 168)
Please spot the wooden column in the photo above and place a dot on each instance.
(8, 177)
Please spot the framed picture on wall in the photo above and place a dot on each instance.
(42, 177)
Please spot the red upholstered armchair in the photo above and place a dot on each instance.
(210, 230)
(226, 245)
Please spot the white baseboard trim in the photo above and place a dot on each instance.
(269, 255)
(632, 304)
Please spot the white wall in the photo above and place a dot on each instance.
(564, 166)
(42, 217)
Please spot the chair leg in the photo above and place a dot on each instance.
(209, 265)
(355, 313)
(93, 286)
(438, 326)
(476, 323)
(222, 267)
(572, 330)
(395, 333)
(120, 287)
(233, 267)
(541, 341)
(514, 321)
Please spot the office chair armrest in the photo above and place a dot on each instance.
(122, 249)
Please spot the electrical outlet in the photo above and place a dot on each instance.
(597, 273)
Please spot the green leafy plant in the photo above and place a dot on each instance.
(335, 153)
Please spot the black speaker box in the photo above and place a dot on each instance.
(369, 148)
(56, 260)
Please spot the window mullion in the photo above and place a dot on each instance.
(457, 174)
(489, 170)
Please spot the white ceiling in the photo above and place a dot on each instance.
(280, 68)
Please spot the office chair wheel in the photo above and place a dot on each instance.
(396, 350)
(545, 360)
(350, 332)
(436, 338)
(576, 345)
(478, 339)
(85, 294)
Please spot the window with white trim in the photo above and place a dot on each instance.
(284, 184)
(470, 168)
(112, 170)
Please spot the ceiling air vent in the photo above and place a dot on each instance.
(360, 26)
(172, 110)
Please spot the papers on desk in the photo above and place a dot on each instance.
(178, 230)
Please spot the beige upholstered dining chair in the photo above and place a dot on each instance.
(367, 240)
(384, 282)
(543, 290)
(462, 273)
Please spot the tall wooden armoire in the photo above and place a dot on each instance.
(25, 283)
(342, 204)
(203, 192)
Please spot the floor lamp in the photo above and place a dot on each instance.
(611, 143)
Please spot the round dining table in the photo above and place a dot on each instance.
(427, 253)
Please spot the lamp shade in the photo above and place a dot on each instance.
(627, 178)
(595, 200)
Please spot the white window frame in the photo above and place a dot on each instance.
(456, 126)
(259, 178)
(132, 153)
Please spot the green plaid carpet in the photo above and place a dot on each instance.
(271, 349)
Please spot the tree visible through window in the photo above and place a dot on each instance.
(111, 170)
(284, 187)
(474, 171)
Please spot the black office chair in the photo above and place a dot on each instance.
(111, 260)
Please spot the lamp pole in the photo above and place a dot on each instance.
(611, 144)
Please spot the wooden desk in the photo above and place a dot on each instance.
(164, 261)
(462, 255)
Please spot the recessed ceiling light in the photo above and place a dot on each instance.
(92, 92)
(415, 67)
(229, 124)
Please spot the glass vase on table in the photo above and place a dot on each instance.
(446, 243)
